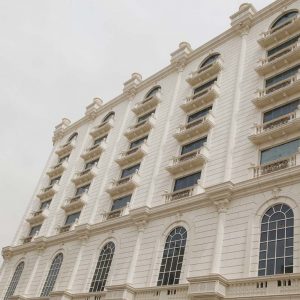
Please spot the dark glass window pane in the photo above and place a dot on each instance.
(91, 164)
(187, 181)
(45, 204)
(282, 76)
(204, 86)
(108, 116)
(262, 264)
(285, 18)
(289, 242)
(210, 59)
(138, 142)
(54, 180)
(64, 158)
(289, 251)
(121, 202)
(129, 171)
(270, 266)
(99, 140)
(279, 266)
(199, 114)
(15, 280)
(262, 272)
(34, 230)
(193, 146)
(289, 232)
(283, 45)
(145, 116)
(280, 248)
(83, 189)
(72, 218)
(152, 92)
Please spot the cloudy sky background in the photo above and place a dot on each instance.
(56, 55)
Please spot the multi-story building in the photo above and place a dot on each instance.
(185, 186)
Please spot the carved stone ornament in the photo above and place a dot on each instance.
(222, 205)
(180, 56)
(6, 253)
(131, 85)
(93, 108)
(60, 129)
(275, 192)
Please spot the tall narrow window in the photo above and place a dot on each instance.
(172, 259)
(52, 275)
(276, 241)
(102, 268)
(15, 280)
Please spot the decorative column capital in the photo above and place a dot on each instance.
(93, 108)
(180, 56)
(221, 205)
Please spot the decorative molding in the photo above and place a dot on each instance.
(131, 85)
(92, 109)
(222, 205)
(180, 56)
(60, 129)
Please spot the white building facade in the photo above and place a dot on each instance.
(185, 186)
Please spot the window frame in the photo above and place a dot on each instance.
(204, 63)
(183, 176)
(14, 280)
(274, 25)
(120, 197)
(155, 89)
(108, 116)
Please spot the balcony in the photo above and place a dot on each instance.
(38, 216)
(75, 203)
(276, 128)
(102, 129)
(277, 92)
(85, 176)
(48, 191)
(200, 99)
(189, 161)
(195, 128)
(141, 128)
(67, 227)
(58, 169)
(176, 292)
(132, 155)
(147, 104)
(66, 148)
(279, 60)
(117, 212)
(94, 151)
(183, 193)
(124, 185)
(279, 33)
(205, 72)
(276, 165)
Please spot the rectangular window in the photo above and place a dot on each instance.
(121, 202)
(54, 180)
(72, 218)
(283, 45)
(204, 86)
(281, 111)
(34, 230)
(99, 140)
(129, 171)
(282, 76)
(91, 164)
(64, 158)
(138, 142)
(45, 204)
(145, 116)
(187, 181)
(280, 151)
(199, 114)
(83, 189)
(193, 146)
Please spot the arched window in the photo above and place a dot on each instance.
(102, 268)
(172, 259)
(276, 241)
(73, 137)
(15, 280)
(284, 19)
(108, 116)
(209, 60)
(153, 91)
(52, 275)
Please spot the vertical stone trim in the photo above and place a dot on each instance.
(249, 246)
(221, 206)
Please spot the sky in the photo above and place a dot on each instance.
(56, 55)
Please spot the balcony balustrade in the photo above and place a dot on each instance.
(66, 148)
(58, 169)
(195, 128)
(67, 227)
(75, 203)
(48, 191)
(189, 161)
(277, 165)
(85, 176)
(276, 128)
(178, 292)
(30, 238)
(141, 128)
(205, 72)
(124, 185)
(147, 104)
(89, 296)
(117, 212)
(38, 216)
(279, 59)
(279, 33)
(103, 128)
(277, 92)
(132, 155)
(201, 99)
(94, 151)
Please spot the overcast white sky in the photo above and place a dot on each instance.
(56, 55)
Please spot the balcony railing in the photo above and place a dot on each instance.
(66, 148)
(147, 104)
(58, 169)
(118, 212)
(75, 203)
(201, 99)
(94, 151)
(124, 185)
(189, 161)
(132, 155)
(30, 238)
(205, 72)
(276, 165)
(38, 216)
(85, 176)
(195, 128)
(279, 33)
(281, 90)
(141, 128)
(103, 128)
(177, 292)
(67, 227)
(48, 191)
(89, 296)
(276, 128)
(279, 59)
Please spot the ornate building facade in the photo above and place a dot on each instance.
(185, 186)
